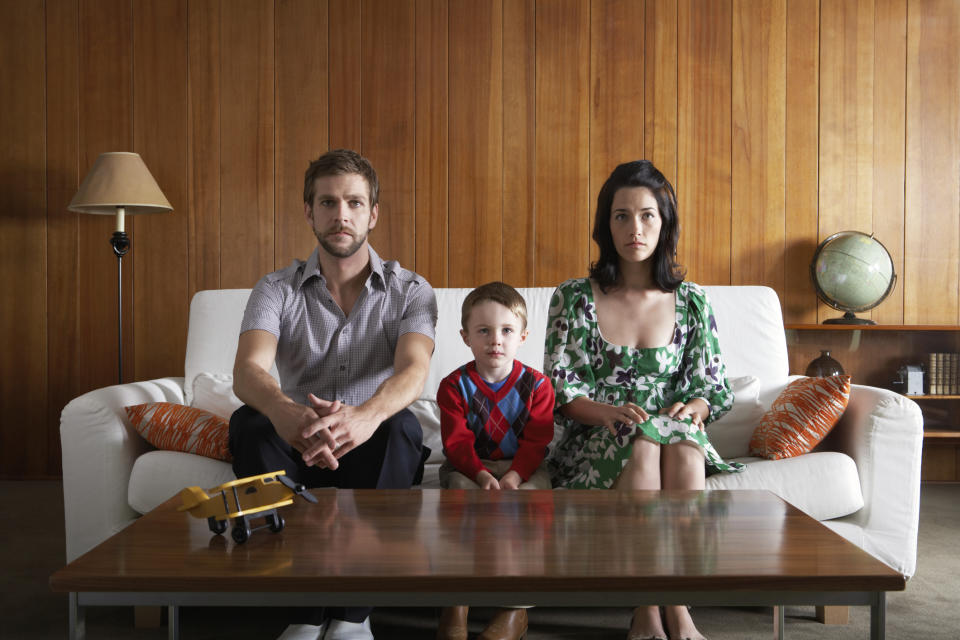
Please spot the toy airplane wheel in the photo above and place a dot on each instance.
(275, 520)
(217, 526)
(240, 533)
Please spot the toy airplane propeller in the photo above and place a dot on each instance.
(242, 500)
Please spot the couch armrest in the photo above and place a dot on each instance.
(99, 449)
(883, 432)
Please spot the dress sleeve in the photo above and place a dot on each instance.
(703, 374)
(457, 437)
(568, 357)
(537, 433)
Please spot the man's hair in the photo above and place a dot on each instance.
(667, 274)
(338, 162)
(499, 292)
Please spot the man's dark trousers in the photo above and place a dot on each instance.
(392, 458)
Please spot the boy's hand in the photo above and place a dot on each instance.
(486, 480)
(511, 480)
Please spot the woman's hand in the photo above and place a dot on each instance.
(587, 411)
(697, 410)
(610, 415)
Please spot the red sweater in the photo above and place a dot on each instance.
(516, 421)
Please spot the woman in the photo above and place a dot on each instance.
(635, 360)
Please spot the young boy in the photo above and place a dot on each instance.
(496, 420)
(496, 414)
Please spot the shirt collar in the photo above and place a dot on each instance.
(312, 268)
(376, 268)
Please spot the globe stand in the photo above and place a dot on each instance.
(849, 318)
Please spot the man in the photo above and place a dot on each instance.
(352, 337)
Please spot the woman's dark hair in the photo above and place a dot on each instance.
(640, 173)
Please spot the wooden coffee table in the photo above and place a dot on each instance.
(489, 548)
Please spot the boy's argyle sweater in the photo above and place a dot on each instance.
(515, 421)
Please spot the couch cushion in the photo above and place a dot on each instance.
(730, 435)
(752, 339)
(428, 414)
(823, 485)
(213, 392)
(801, 416)
(159, 475)
(177, 427)
(750, 323)
(213, 333)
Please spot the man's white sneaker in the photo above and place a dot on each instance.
(343, 630)
(303, 632)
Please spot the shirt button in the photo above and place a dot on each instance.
(343, 368)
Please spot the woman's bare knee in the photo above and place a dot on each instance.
(643, 469)
(683, 466)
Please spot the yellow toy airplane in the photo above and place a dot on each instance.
(243, 499)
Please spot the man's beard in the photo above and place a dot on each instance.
(341, 251)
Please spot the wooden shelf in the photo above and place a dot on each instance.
(873, 355)
(872, 327)
(942, 434)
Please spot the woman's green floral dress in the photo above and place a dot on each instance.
(581, 363)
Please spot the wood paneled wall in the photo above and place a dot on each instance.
(492, 124)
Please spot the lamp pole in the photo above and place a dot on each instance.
(121, 244)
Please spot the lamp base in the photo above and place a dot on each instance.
(849, 318)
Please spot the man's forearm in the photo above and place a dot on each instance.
(396, 392)
(257, 388)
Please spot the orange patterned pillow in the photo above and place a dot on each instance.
(177, 427)
(801, 416)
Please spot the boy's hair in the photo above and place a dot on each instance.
(499, 292)
(341, 162)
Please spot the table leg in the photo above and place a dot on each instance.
(778, 623)
(878, 616)
(77, 617)
(173, 622)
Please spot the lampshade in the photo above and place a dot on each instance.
(119, 183)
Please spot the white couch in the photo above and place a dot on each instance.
(863, 481)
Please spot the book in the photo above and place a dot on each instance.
(932, 375)
(952, 371)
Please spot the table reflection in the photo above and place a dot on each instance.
(642, 532)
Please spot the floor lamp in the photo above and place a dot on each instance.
(119, 184)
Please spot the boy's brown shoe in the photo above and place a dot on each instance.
(453, 623)
(509, 624)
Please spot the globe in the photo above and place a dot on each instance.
(852, 272)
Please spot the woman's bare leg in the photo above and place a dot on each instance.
(643, 472)
(682, 468)
(646, 623)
